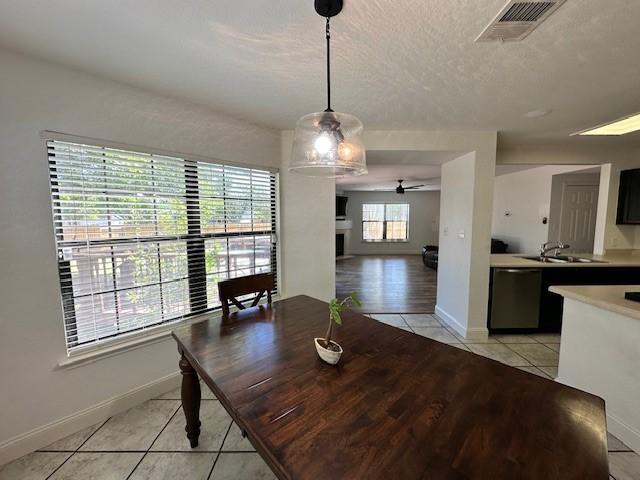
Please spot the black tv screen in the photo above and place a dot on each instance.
(341, 206)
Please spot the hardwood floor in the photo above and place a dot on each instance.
(388, 283)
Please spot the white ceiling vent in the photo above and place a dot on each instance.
(517, 20)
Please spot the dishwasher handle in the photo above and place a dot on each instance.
(518, 270)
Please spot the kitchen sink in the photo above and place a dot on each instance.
(563, 259)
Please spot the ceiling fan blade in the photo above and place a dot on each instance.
(413, 186)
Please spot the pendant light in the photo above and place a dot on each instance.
(328, 144)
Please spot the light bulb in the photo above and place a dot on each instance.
(345, 151)
(324, 144)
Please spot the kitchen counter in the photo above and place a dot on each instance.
(624, 258)
(607, 297)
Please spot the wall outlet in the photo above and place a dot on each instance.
(461, 234)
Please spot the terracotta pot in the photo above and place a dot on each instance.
(325, 354)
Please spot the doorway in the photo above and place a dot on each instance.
(574, 205)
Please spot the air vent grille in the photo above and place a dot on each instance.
(526, 11)
(517, 20)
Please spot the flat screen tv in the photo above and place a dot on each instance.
(341, 206)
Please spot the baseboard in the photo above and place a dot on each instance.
(451, 321)
(467, 333)
(629, 436)
(42, 436)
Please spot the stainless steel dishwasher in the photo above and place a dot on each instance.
(515, 298)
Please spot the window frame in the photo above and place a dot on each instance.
(384, 222)
(193, 201)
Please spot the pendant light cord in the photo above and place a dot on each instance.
(328, 35)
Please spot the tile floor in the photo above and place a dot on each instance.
(148, 441)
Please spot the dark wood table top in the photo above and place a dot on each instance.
(398, 406)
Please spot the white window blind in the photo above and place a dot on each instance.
(385, 222)
(143, 239)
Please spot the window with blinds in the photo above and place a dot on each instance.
(385, 222)
(143, 239)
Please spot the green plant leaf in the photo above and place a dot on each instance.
(355, 299)
(337, 318)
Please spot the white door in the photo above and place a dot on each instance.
(578, 217)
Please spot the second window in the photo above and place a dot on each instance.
(385, 222)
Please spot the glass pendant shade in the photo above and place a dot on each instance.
(328, 144)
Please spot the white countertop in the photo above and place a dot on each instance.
(607, 297)
(623, 258)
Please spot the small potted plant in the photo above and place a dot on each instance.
(328, 350)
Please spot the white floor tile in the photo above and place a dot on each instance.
(546, 337)
(537, 354)
(553, 346)
(500, 353)
(134, 429)
(241, 466)
(174, 465)
(513, 338)
(392, 319)
(624, 465)
(73, 441)
(550, 371)
(35, 466)
(467, 341)
(98, 466)
(421, 320)
(534, 371)
(616, 445)
(440, 334)
(215, 423)
(235, 443)
(461, 346)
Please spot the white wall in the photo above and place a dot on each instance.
(307, 223)
(454, 259)
(526, 196)
(35, 96)
(424, 218)
(615, 157)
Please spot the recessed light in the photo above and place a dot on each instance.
(618, 127)
(538, 113)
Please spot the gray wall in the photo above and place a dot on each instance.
(424, 218)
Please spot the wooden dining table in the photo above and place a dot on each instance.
(397, 406)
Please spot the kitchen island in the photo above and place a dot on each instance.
(600, 352)
(519, 297)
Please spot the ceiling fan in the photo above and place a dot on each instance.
(400, 189)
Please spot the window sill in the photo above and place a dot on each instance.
(137, 340)
(385, 241)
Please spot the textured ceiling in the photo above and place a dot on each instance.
(408, 64)
(386, 167)
(413, 167)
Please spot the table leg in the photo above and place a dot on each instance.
(190, 400)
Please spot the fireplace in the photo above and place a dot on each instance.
(339, 244)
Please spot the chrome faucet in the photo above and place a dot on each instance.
(555, 246)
